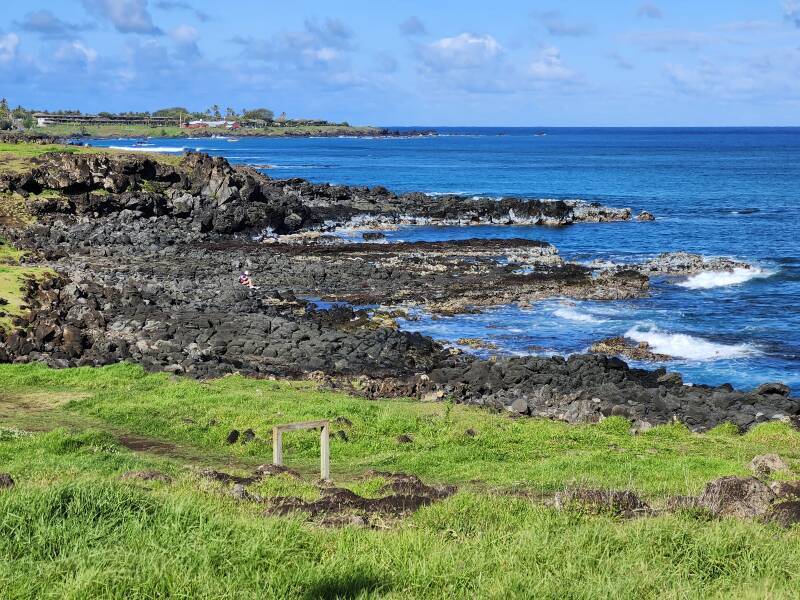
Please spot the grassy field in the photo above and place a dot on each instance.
(117, 131)
(71, 528)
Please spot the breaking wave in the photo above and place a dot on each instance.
(573, 315)
(681, 345)
(713, 279)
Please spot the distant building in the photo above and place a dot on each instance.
(202, 124)
(45, 119)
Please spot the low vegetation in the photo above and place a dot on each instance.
(122, 131)
(72, 527)
(16, 158)
(12, 281)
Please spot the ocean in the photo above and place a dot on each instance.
(717, 192)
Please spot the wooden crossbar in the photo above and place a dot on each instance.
(324, 443)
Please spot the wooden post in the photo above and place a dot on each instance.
(325, 452)
(324, 444)
(277, 447)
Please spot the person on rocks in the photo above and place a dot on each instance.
(244, 279)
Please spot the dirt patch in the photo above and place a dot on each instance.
(743, 497)
(145, 444)
(13, 404)
(785, 514)
(267, 469)
(260, 473)
(345, 501)
(411, 485)
(6, 481)
(786, 489)
(405, 494)
(228, 478)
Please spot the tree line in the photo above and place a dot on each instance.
(19, 116)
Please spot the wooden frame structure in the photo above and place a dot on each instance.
(324, 443)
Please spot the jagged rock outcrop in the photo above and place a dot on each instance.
(588, 388)
(622, 346)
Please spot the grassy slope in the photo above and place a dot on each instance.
(114, 131)
(71, 528)
(16, 158)
(12, 278)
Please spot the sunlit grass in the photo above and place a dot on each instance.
(540, 455)
(72, 528)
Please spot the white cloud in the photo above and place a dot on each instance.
(550, 67)
(769, 76)
(8, 47)
(317, 55)
(48, 25)
(185, 38)
(185, 34)
(315, 46)
(127, 16)
(75, 52)
(464, 51)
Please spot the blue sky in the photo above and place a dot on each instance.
(413, 62)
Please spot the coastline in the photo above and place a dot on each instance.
(139, 131)
(132, 220)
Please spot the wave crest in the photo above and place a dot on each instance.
(681, 345)
(713, 279)
(573, 315)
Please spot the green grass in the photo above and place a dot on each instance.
(12, 279)
(72, 529)
(114, 131)
(18, 158)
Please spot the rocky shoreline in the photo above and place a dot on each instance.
(148, 252)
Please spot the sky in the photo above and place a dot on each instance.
(414, 62)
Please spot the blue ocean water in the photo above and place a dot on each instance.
(730, 192)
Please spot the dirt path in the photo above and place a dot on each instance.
(44, 411)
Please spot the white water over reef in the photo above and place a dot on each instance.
(681, 345)
(713, 279)
(573, 315)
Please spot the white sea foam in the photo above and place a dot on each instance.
(440, 194)
(713, 279)
(681, 345)
(147, 149)
(573, 315)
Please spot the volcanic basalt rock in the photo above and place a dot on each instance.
(148, 252)
(622, 346)
(681, 264)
